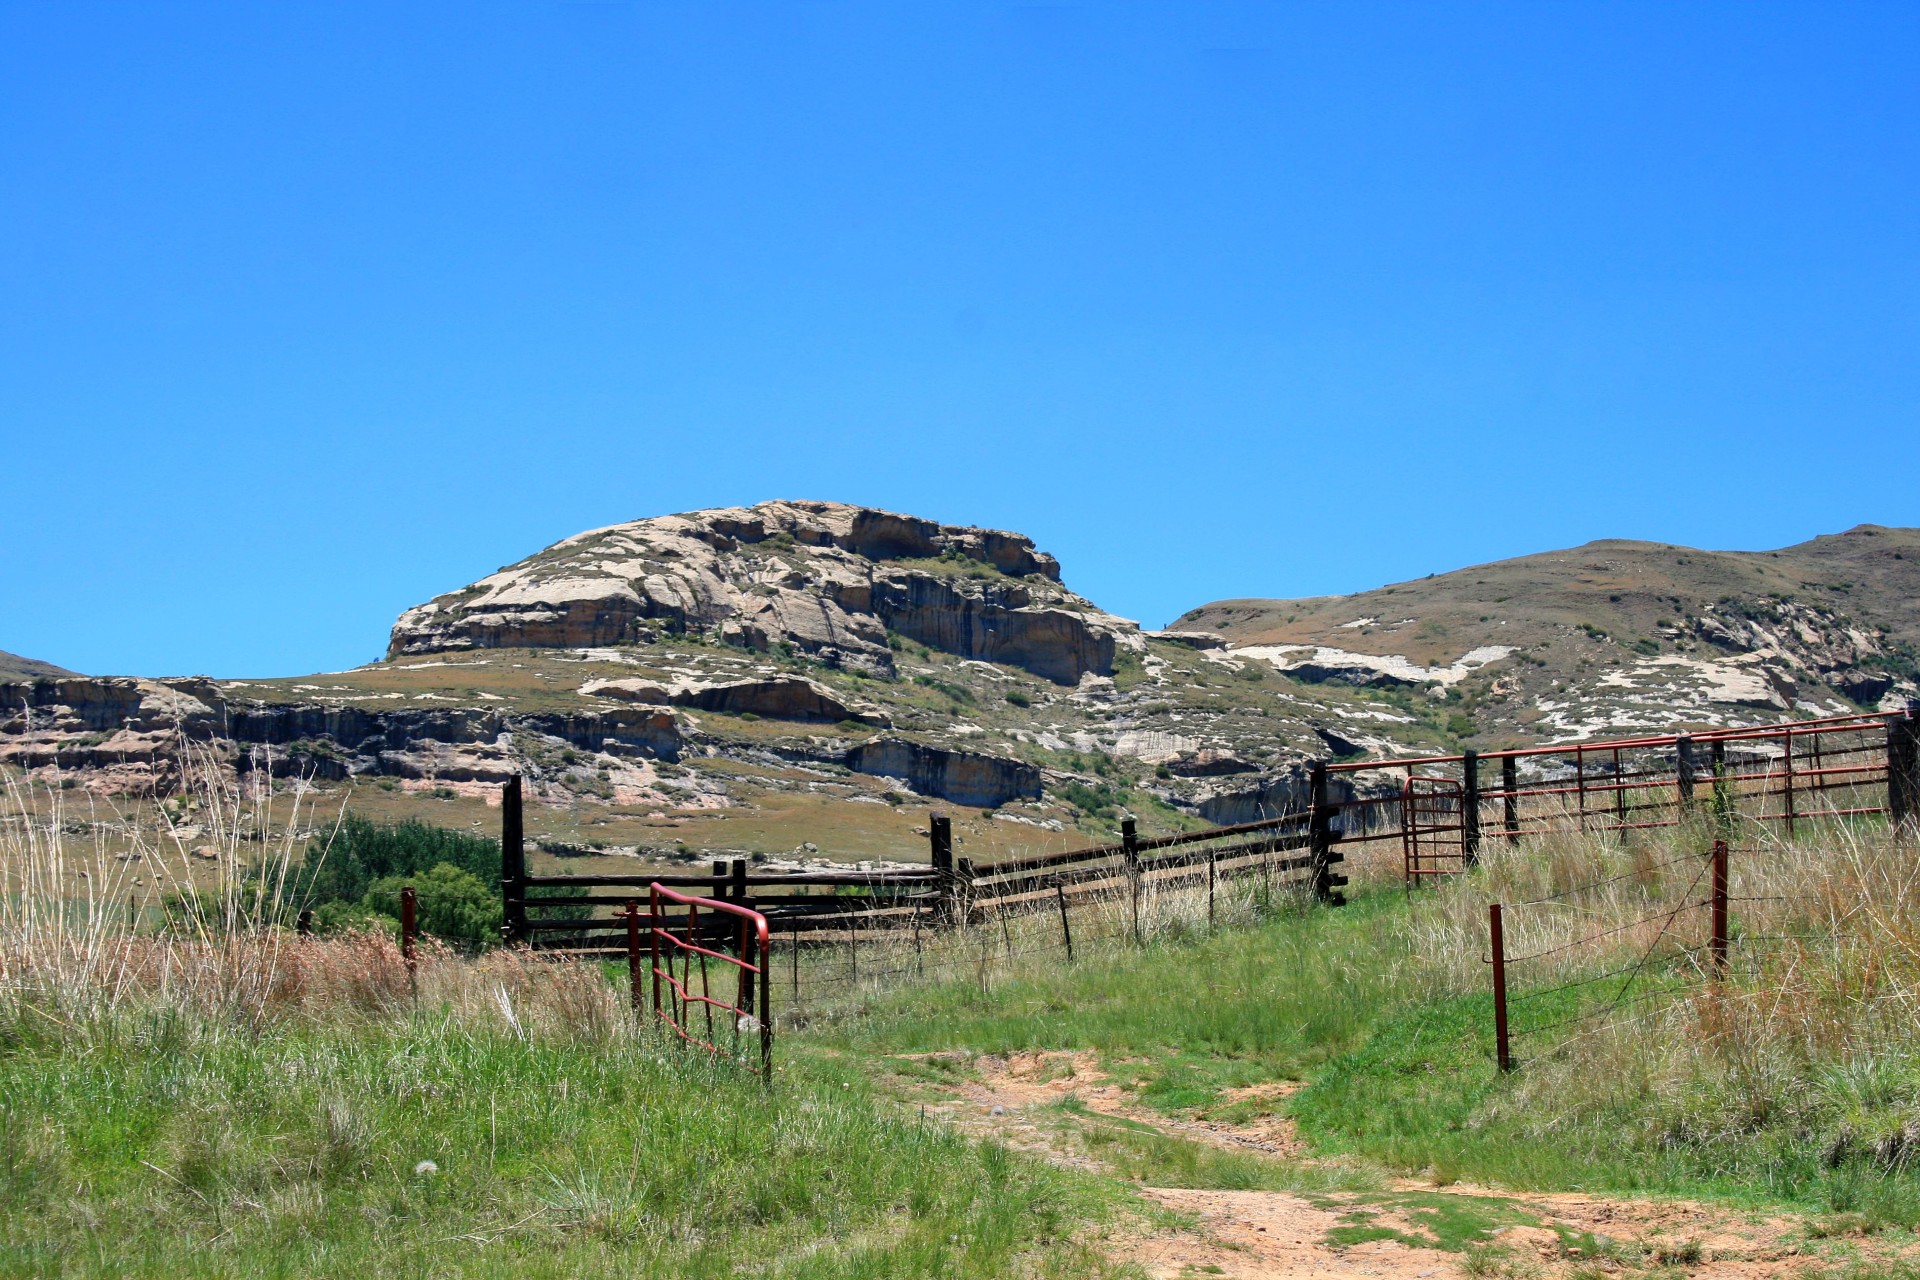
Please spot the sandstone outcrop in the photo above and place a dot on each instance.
(824, 579)
(776, 697)
(964, 777)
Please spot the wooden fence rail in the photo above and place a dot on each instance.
(1441, 810)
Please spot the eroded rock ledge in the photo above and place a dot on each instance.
(134, 730)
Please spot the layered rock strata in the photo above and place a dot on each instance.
(824, 579)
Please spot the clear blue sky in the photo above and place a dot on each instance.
(310, 312)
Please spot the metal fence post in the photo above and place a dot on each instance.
(1470, 807)
(1724, 798)
(409, 924)
(1499, 949)
(633, 954)
(1683, 771)
(653, 942)
(1717, 942)
(1130, 850)
(1213, 876)
(513, 864)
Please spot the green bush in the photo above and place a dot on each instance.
(1019, 699)
(342, 868)
(453, 904)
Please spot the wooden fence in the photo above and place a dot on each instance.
(1441, 810)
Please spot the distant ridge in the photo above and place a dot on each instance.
(15, 667)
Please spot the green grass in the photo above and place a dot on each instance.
(155, 1147)
(1407, 1083)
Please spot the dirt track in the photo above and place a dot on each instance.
(1034, 1102)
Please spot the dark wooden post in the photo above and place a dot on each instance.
(738, 870)
(1130, 850)
(1683, 771)
(1499, 950)
(513, 864)
(1510, 784)
(1903, 766)
(1470, 807)
(1717, 941)
(946, 884)
(1066, 928)
(1320, 856)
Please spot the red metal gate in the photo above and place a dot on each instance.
(682, 960)
(1432, 829)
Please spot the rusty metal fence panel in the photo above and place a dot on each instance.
(679, 950)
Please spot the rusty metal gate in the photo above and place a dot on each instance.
(1432, 827)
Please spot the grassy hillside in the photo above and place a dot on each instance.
(1828, 608)
(15, 667)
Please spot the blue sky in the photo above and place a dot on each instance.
(310, 312)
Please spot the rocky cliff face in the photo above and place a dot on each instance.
(820, 578)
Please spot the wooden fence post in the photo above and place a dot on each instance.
(1903, 767)
(1130, 850)
(1066, 928)
(1470, 807)
(1499, 950)
(1320, 838)
(513, 864)
(1510, 784)
(946, 883)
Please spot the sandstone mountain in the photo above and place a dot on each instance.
(823, 579)
(767, 677)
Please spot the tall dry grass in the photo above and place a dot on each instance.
(1804, 1047)
(93, 925)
